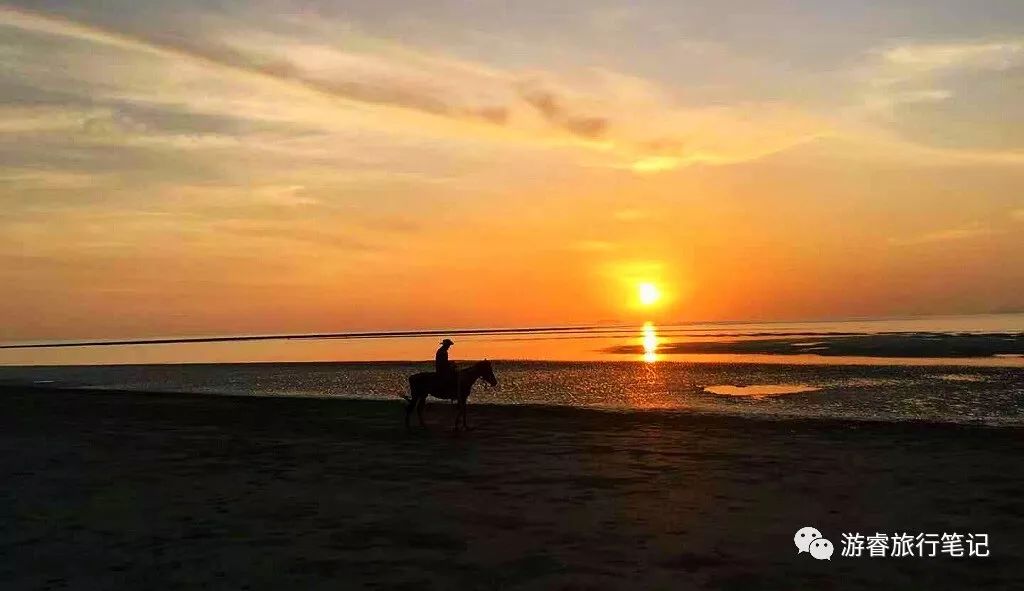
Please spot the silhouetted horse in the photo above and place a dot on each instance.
(425, 384)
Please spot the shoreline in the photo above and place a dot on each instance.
(633, 356)
(658, 414)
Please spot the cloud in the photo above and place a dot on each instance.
(931, 57)
(25, 179)
(933, 102)
(265, 194)
(271, 232)
(952, 234)
(553, 109)
(886, 101)
(41, 119)
(655, 164)
(408, 90)
(910, 72)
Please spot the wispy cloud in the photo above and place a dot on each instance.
(914, 72)
(976, 230)
(457, 99)
(25, 179)
(932, 103)
(930, 57)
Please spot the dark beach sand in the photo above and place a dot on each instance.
(107, 490)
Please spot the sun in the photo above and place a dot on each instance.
(648, 293)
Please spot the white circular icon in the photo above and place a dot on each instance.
(821, 549)
(803, 538)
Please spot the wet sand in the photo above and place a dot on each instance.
(898, 345)
(158, 491)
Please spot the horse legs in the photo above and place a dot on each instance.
(419, 409)
(408, 410)
(461, 415)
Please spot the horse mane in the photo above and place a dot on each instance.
(477, 364)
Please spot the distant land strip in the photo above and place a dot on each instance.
(543, 332)
(315, 336)
(867, 345)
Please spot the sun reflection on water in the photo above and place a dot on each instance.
(650, 342)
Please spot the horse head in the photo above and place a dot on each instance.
(487, 372)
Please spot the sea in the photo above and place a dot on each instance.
(949, 369)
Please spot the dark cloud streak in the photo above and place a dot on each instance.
(552, 108)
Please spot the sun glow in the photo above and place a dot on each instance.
(650, 342)
(648, 294)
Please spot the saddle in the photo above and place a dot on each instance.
(447, 383)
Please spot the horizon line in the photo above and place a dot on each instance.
(385, 334)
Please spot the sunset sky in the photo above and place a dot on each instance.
(219, 167)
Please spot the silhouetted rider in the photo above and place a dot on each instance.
(445, 369)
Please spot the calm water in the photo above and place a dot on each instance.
(577, 369)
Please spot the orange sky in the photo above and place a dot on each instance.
(318, 169)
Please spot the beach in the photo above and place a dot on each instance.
(107, 489)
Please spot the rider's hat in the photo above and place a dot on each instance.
(447, 342)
